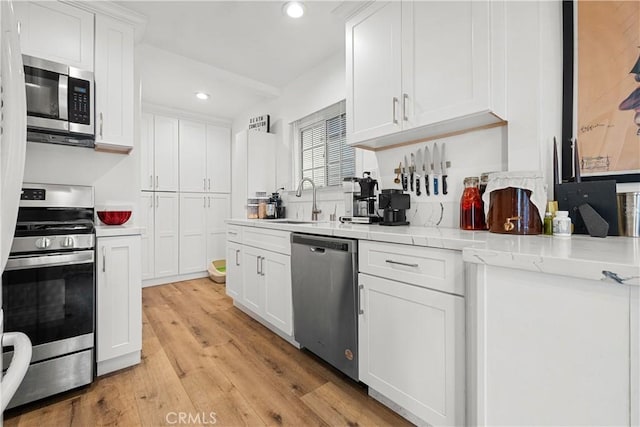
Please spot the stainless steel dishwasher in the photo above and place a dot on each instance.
(324, 275)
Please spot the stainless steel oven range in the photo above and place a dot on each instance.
(48, 288)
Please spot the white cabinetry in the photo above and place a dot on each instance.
(56, 31)
(159, 153)
(202, 232)
(159, 219)
(423, 69)
(114, 85)
(259, 275)
(411, 329)
(538, 338)
(204, 157)
(254, 167)
(119, 303)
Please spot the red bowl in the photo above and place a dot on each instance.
(114, 217)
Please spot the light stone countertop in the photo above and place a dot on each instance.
(117, 230)
(578, 256)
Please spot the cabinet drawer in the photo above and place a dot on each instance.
(234, 233)
(438, 269)
(269, 240)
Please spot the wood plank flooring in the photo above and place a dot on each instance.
(206, 360)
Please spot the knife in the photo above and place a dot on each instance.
(443, 165)
(411, 169)
(404, 174)
(426, 166)
(437, 168)
(419, 166)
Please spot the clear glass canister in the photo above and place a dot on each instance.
(471, 209)
(252, 208)
(262, 207)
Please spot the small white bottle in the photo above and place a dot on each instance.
(562, 224)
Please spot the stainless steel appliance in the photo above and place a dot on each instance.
(324, 276)
(395, 203)
(60, 102)
(48, 288)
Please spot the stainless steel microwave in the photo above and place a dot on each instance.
(60, 103)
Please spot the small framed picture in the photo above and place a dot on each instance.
(260, 123)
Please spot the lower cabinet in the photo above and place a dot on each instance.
(258, 279)
(411, 343)
(266, 286)
(118, 303)
(159, 220)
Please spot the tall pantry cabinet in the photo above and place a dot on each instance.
(185, 196)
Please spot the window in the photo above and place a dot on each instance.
(325, 156)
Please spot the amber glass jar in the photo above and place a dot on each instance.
(512, 212)
(471, 211)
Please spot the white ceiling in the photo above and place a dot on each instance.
(241, 52)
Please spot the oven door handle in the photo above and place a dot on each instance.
(16, 371)
(54, 260)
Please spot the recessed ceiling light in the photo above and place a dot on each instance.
(294, 9)
(202, 95)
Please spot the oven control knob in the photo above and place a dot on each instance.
(67, 242)
(43, 243)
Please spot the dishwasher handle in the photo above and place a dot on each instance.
(316, 250)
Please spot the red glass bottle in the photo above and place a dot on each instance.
(471, 209)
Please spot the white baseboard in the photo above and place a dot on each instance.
(172, 279)
(397, 408)
(118, 363)
(267, 324)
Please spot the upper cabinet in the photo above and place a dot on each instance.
(417, 70)
(158, 153)
(57, 32)
(114, 85)
(205, 152)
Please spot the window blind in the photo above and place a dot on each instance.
(325, 156)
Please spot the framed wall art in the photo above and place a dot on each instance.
(601, 89)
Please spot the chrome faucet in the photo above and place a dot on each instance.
(314, 208)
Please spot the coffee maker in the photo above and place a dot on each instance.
(360, 199)
(395, 203)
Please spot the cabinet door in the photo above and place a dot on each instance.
(445, 60)
(234, 270)
(411, 343)
(56, 31)
(278, 306)
(146, 153)
(218, 159)
(114, 84)
(251, 278)
(261, 163)
(373, 65)
(193, 160)
(166, 236)
(165, 133)
(217, 211)
(193, 232)
(146, 221)
(119, 297)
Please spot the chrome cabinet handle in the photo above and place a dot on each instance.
(150, 181)
(390, 261)
(360, 289)
(151, 202)
(237, 253)
(101, 123)
(204, 183)
(157, 201)
(157, 182)
(233, 233)
(204, 202)
(405, 98)
(104, 259)
(395, 101)
(209, 183)
(258, 265)
(261, 266)
(209, 198)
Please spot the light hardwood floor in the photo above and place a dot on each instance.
(205, 359)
